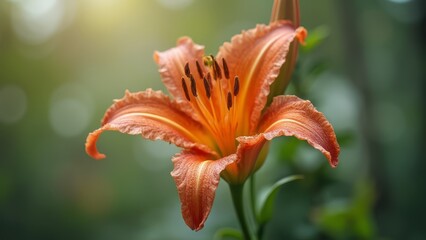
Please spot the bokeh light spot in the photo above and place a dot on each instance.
(154, 155)
(13, 104)
(37, 7)
(342, 113)
(399, 1)
(68, 117)
(175, 4)
(70, 110)
(36, 21)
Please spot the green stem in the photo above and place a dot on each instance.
(253, 198)
(260, 231)
(260, 228)
(237, 199)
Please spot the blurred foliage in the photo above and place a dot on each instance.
(315, 38)
(268, 201)
(62, 62)
(227, 233)
(353, 220)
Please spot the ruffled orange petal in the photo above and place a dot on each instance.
(171, 65)
(248, 153)
(196, 179)
(292, 116)
(256, 56)
(151, 114)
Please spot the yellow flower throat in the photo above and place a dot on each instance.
(215, 104)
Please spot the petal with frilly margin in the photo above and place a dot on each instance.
(248, 153)
(292, 116)
(151, 114)
(256, 56)
(171, 65)
(196, 179)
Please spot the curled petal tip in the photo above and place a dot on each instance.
(197, 179)
(156, 56)
(301, 34)
(292, 116)
(99, 156)
(332, 156)
(198, 228)
(334, 162)
(91, 149)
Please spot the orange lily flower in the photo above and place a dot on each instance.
(216, 113)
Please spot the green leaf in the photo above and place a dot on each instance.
(315, 38)
(317, 68)
(346, 138)
(267, 205)
(227, 233)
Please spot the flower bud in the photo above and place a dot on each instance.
(285, 10)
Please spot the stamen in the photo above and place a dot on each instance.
(193, 86)
(225, 68)
(211, 63)
(200, 71)
(207, 87)
(185, 89)
(217, 69)
(187, 70)
(229, 102)
(236, 85)
(209, 79)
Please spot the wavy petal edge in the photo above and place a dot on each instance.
(197, 178)
(153, 115)
(292, 116)
(257, 69)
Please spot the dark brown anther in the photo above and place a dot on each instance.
(213, 66)
(200, 71)
(185, 89)
(187, 70)
(229, 102)
(209, 79)
(236, 85)
(207, 87)
(225, 68)
(217, 69)
(193, 86)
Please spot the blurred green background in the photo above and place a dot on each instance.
(62, 62)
